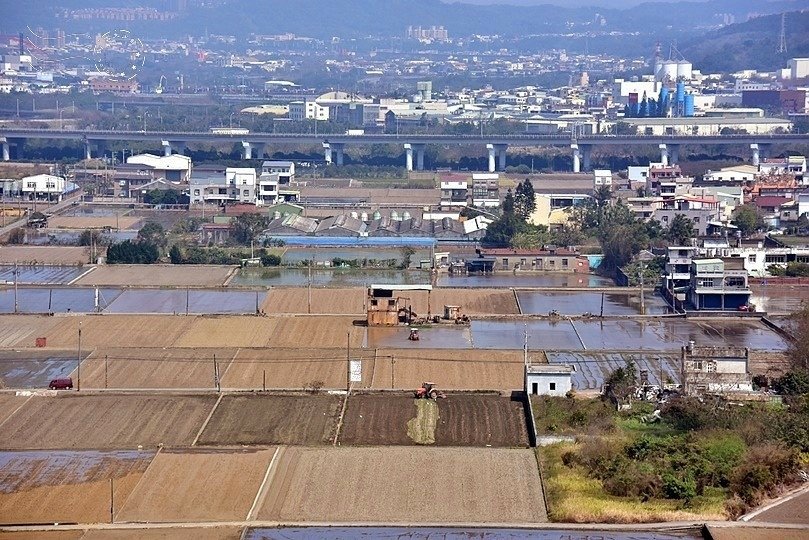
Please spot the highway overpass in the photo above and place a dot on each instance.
(254, 144)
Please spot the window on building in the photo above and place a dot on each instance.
(196, 192)
(505, 262)
(552, 386)
(564, 263)
(751, 258)
(696, 220)
(523, 262)
(246, 192)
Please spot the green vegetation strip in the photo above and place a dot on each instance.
(421, 429)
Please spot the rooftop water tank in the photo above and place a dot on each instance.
(405, 215)
(354, 215)
(377, 215)
(394, 215)
(276, 215)
(364, 216)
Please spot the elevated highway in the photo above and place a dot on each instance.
(254, 144)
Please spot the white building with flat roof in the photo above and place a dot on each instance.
(549, 379)
(307, 110)
(43, 186)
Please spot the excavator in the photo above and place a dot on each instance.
(429, 391)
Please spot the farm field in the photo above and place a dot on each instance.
(62, 255)
(116, 330)
(470, 369)
(468, 485)
(66, 486)
(22, 331)
(96, 222)
(458, 420)
(272, 419)
(471, 301)
(157, 275)
(10, 403)
(153, 368)
(296, 300)
(198, 485)
(34, 368)
(316, 332)
(175, 533)
(294, 368)
(71, 421)
(227, 331)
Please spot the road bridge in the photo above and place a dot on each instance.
(254, 144)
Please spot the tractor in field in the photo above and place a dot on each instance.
(414, 334)
(429, 391)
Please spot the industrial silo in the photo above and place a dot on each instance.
(668, 70)
(680, 91)
(684, 69)
(688, 105)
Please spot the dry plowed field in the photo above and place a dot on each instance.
(480, 420)
(451, 369)
(387, 484)
(462, 420)
(118, 331)
(70, 421)
(42, 535)
(294, 368)
(65, 255)
(202, 485)
(175, 533)
(157, 275)
(296, 300)
(472, 301)
(316, 332)
(234, 331)
(154, 368)
(8, 404)
(98, 222)
(66, 486)
(273, 419)
(22, 330)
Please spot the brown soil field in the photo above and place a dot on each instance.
(8, 404)
(375, 419)
(157, 275)
(273, 419)
(201, 485)
(97, 222)
(118, 331)
(71, 421)
(355, 484)
(316, 332)
(471, 301)
(65, 255)
(154, 368)
(41, 488)
(22, 330)
(41, 535)
(480, 420)
(295, 368)
(450, 369)
(463, 420)
(224, 331)
(296, 300)
(176, 533)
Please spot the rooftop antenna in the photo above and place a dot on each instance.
(782, 42)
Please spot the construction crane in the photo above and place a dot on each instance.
(159, 89)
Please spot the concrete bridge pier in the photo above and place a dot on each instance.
(501, 156)
(166, 148)
(89, 148)
(419, 148)
(664, 155)
(327, 153)
(338, 149)
(408, 156)
(586, 151)
(5, 148)
(492, 152)
(675, 153)
(576, 158)
(258, 150)
(756, 154)
(247, 152)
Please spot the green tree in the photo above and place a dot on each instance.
(247, 227)
(176, 254)
(748, 219)
(622, 382)
(16, 236)
(680, 231)
(129, 252)
(525, 199)
(88, 237)
(508, 203)
(154, 233)
(798, 351)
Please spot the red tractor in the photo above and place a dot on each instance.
(429, 391)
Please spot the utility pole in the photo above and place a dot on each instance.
(106, 370)
(78, 363)
(642, 300)
(525, 345)
(348, 362)
(112, 500)
(16, 275)
(392, 372)
(216, 374)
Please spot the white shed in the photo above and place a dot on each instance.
(549, 379)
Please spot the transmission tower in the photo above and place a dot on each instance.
(782, 42)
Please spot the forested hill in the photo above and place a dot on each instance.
(750, 45)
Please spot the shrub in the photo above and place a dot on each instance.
(16, 236)
(679, 487)
(270, 260)
(763, 469)
(129, 252)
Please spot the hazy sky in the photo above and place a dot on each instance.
(568, 3)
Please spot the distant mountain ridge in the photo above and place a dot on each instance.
(357, 18)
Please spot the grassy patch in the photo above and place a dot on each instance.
(421, 429)
(575, 497)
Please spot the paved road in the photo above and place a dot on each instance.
(792, 509)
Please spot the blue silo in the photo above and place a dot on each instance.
(663, 102)
(680, 91)
(688, 105)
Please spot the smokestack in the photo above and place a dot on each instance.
(22, 44)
